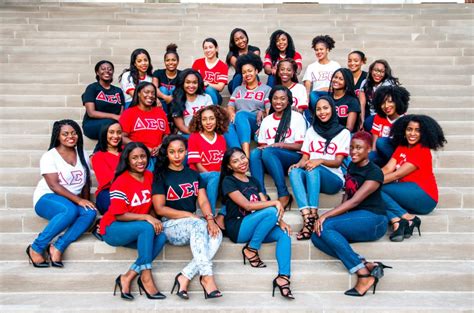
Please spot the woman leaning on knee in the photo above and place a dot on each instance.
(177, 190)
(409, 183)
(129, 222)
(62, 195)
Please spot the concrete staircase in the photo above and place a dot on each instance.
(48, 51)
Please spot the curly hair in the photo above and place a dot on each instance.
(172, 48)
(294, 78)
(326, 39)
(222, 120)
(272, 49)
(400, 96)
(162, 160)
(251, 59)
(431, 133)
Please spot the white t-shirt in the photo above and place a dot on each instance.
(192, 107)
(300, 97)
(314, 144)
(127, 85)
(73, 178)
(295, 133)
(320, 74)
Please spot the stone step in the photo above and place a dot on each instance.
(428, 247)
(230, 276)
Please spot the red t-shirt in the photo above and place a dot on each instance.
(128, 195)
(268, 60)
(104, 165)
(147, 127)
(423, 176)
(208, 153)
(217, 74)
(382, 126)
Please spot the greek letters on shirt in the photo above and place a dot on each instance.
(342, 110)
(109, 98)
(321, 76)
(77, 178)
(251, 95)
(212, 157)
(150, 123)
(331, 150)
(137, 200)
(271, 133)
(187, 190)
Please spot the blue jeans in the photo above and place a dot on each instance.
(127, 104)
(308, 184)
(235, 82)
(231, 137)
(212, 182)
(92, 127)
(102, 201)
(62, 214)
(276, 162)
(260, 227)
(138, 235)
(383, 151)
(215, 95)
(354, 226)
(245, 126)
(271, 81)
(368, 122)
(166, 92)
(403, 198)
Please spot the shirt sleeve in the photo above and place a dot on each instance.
(127, 83)
(122, 97)
(119, 202)
(419, 156)
(303, 99)
(235, 95)
(201, 182)
(223, 73)
(344, 143)
(267, 60)
(193, 149)
(298, 59)
(158, 187)
(307, 74)
(102, 169)
(263, 129)
(228, 186)
(306, 143)
(353, 105)
(125, 121)
(207, 100)
(89, 95)
(300, 127)
(266, 100)
(377, 125)
(48, 164)
(375, 174)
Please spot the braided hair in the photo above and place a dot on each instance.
(286, 116)
(79, 146)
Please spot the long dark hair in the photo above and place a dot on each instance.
(294, 65)
(272, 47)
(178, 105)
(431, 133)
(54, 142)
(133, 69)
(139, 88)
(233, 49)
(286, 117)
(162, 161)
(388, 75)
(97, 66)
(225, 170)
(124, 163)
(102, 144)
(214, 42)
(349, 88)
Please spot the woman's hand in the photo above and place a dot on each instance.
(86, 204)
(318, 226)
(156, 223)
(285, 227)
(154, 151)
(293, 166)
(212, 228)
(280, 209)
(259, 117)
(312, 164)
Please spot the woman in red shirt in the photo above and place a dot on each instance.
(409, 183)
(129, 222)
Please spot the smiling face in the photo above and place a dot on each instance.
(282, 43)
(239, 163)
(190, 84)
(176, 152)
(285, 71)
(279, 101)
(142, 63)
(249, 73)
(354, 62)
(321, 51)
(68, 136)
(359, 150)
(105, 72)
(114, 135)
(137, 160)
(210, 50)
(389, 107)
(171, 62)
(413, 133)
(240, 40)
(147, 96)
(338, 82)
(323, 111)
(208, 120)
(378, 72)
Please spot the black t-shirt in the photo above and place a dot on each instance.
(235, 214)
(344, 106)
(106, 100)
(356, 176)
(180, 188)
(362, 77)
(251, 49)
(164, 80)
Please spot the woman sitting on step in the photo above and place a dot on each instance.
(409, 183)
(103, 101)
(254, 220)
(129, 222)
(286, 76)
(165, 79)
(62, 195)
(359, 218)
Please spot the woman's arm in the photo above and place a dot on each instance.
(351, 121)
(130, 217)
(203, 202)
(374, 144)
(52, 180)
(389, 167)
(404, 170)
(93, 113)
(159, 94)
(268, 69)
(125, 138)
(311, 164)
(287, 146)
(231, 111)
(301, 163)
(247, 205)
(362, 101)
(307, 84)
(179, 123)
(162, 210)
(200, 167)
(233, 62)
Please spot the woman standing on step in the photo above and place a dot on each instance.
(280, 139)
(214, 72)
(319, 170)
(253, 220)
(286, 76)
(129, 222)
(347, 104)
(177, 190)
(359, 218)
(103, 101)
(62, 195)
(409, 183)
(140, 70)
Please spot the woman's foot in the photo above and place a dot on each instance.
(35, 256)
(364, 284)
(54, 254)
(253, 257)
(309, 217)
(209, 284)
(220, 221)
(148, 283)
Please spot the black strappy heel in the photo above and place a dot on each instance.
(307, 229)
(213, 294)
(183, 294)
(255, 260)
(354, 293)
(286, 286)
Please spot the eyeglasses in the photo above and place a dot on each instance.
(378, 71)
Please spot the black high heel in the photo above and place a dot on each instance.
(255, 260)
(123, 295)
(183, 294)
(378, 269)
(288, 294)
(307, 230)
(354, 293)
(415, 223)
(287, 207)
(53, 263)
(156, 296)
(213, 294)
(399, 234)
(39, 265)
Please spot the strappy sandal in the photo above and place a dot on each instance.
(285, 287)
(307, 229)
(255, 260)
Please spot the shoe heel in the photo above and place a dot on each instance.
(115, 289)
(274, 286)
(174, 286)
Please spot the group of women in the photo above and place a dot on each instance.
(168, 152)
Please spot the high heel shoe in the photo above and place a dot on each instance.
(399, 234)
(183, 294)
(53, 263)
(286, 286)
(354, 293)
(156, 296)
(378, 269)
(213, 294)
(123, 295)
(415, 223)
(255, 260)
(287, 206)
(35, 264)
